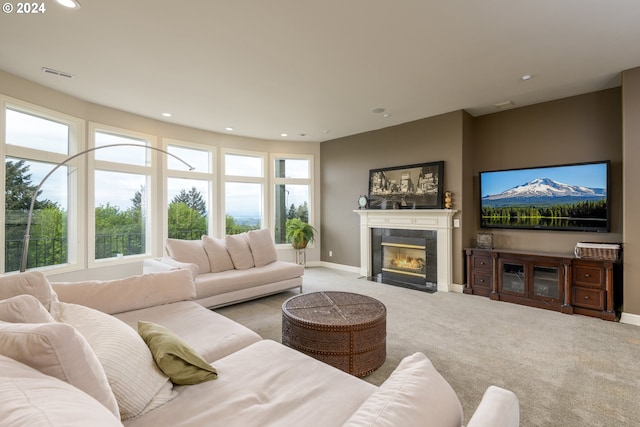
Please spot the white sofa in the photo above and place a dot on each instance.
(70, 355)
(226, 271)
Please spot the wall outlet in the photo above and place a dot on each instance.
(330, 253)
(456, 223)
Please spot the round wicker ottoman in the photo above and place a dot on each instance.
(343, 329)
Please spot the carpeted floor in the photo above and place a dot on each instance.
(566, 370)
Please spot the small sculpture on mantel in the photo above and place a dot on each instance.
(448, 199)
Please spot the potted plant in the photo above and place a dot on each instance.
(299, 233)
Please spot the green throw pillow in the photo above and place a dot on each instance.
(174, 357)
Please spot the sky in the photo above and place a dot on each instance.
(585, 175)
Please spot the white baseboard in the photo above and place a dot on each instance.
(631, 319)
(349, 268)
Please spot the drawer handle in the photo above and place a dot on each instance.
(586, 297)
(481, 262)
(481, 280)
(587, 275)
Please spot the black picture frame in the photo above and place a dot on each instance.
(417, 186)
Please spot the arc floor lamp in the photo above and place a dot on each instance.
(25, 247)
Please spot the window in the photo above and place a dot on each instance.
(243, 192)
(121, 197)
(188, 191)
(35, 141)
(292, 192)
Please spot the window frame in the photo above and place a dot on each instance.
(262, 180)
(210, 177)
(150, 170)
(76, 250)
(291, 181)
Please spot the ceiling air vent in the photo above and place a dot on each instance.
(57, 72)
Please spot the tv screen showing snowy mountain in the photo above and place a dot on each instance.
(567, 197)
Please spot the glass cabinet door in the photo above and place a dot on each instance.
(546, 281)
(513, 277)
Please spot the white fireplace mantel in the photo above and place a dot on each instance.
(440, 220)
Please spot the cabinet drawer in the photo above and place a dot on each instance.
(587, 298)
(481, 280)
(481, 263)
(587, 275)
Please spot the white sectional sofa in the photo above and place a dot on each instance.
(70, 356)
(226, 271)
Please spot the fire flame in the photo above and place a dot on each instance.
(407, 262)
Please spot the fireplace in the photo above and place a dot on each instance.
(439, 222)
(405, 258)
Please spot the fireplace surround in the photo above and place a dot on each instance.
(439, 221)
(405, 258)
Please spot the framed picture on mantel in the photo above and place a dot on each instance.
(416, 186)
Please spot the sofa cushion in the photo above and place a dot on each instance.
(30, 398)
(32, 283)
(413, 393)
(265, 384)
(214, 336)
(188, 251)
(175, 357)
(219, 258)
(58, 350)
(262, 246)
(130, 293)
(233, 280)
(137, 383)
(240, 251)
(24, 309)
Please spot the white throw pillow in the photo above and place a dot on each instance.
(219, 258)
(262, 246)
(137, 383)
(24, 309)
(189, 251)
(240, 251)
(32, 283)
(414, 394)
(58, 350)
(30, 398)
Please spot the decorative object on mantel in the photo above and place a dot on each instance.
(484, 241)
(363, 202)
(417, 186)
(448, 199)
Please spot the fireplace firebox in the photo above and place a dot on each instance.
(406, 258)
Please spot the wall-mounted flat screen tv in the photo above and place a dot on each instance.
(573, 197)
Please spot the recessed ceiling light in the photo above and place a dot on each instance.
(526, 77)
(386, 115)
(166, 114)
(71, 4)
(378, 110)
(284, 134)
(229, 129)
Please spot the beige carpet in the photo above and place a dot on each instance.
(566, 370)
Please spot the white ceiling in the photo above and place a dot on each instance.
(319, 68)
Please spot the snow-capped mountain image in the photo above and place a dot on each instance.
(542, 191)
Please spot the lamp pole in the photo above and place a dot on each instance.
(25, 246)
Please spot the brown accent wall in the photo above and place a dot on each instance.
(631, 175)
(582, 128)
(577, 129)
(345, 171)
